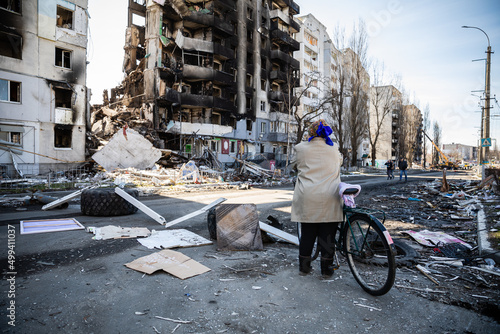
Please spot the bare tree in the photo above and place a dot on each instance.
(384, 98)
(426, 124)
(413, 124)
(291, 94)
(349, 95)
(360, 89)
(436, 156)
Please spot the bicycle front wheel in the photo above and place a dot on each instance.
(370, 257)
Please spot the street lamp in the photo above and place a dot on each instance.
(485, 114)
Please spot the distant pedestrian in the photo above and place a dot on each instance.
(403, 165)
(390, 168)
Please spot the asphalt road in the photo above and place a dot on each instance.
(66, 282)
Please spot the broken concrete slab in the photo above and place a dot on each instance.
(173, 239)
(117, 232)
(127, 148)
(172, 262)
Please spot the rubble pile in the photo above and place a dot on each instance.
(450, 264)
(107, 121)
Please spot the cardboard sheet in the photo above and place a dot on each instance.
(172, 262)
(173, 238)
(49, 225)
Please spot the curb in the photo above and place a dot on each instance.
(482, 237)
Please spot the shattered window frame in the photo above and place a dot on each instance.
(13, 6)
(10, 91)
(63, 58)
(63, 136)
(12, 137)
(216, 118)
(11, 45)
(62, 97)
(64, 18)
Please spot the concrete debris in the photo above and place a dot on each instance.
(173, 239)
(127, 148)
(117, 232)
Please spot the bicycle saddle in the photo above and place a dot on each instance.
(349, 189)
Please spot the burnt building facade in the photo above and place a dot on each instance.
(43, 94)
(213, 74)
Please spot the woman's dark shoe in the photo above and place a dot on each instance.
(327, 268)
(304, 265)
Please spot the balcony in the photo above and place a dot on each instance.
(194, 72)
(206, 101)
(278, 76)
(279, 96)
(194, 101)
(228, 4)
(195, 44)
(197, 19)
(169, 96)
(279, 14)
(223, 52)
(282, 37)
(294, 8)
(276, 137)
(63, 116)
(224, 104)
(285, 58)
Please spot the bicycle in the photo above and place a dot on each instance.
(367, 246)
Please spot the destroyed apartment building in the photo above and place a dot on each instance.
(43, 93)
(203, 76)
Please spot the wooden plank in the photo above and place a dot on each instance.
(140, 206)
(279, 233)
(196, 213)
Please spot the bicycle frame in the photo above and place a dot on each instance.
(370, 214)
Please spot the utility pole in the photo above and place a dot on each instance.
(487, 102)
(483, 154)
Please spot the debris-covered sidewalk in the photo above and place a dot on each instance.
(446, 234)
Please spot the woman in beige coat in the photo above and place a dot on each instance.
(316, 201)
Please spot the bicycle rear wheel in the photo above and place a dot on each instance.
(370, 257)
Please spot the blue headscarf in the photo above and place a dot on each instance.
(323, 131)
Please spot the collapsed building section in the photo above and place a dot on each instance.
(216, 75)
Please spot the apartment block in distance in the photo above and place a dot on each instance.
(43, 94)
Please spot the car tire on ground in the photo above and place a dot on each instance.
(212, 224)
(105, 202)
(406, 255)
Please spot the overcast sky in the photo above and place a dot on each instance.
(422, 41)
